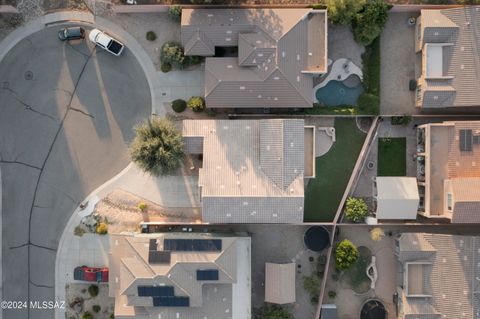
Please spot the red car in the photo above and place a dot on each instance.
(91, 274)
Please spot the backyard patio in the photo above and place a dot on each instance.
(351, 288)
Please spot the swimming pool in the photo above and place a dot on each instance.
(336, 93)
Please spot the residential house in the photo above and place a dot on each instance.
(252, 171)
(448, 45)
(448, 170)
(440, 276)
(277, 53)
(180, 275)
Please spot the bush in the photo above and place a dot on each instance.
(142, 206)
(343, 11)
(196, 103)
(468, 2)
(195, 59)
(318, 6)
(172, 53)
(369, 104)
(270, 311)
(157, 147)
(346, 254)
(151, 36)
(369, 22)
(79, 231)
(356, 209)
(175, 13)
(332, 294)
(201, 1)
(371, 68)
(93, 290)
(211, 112)
(87, 315)
(166, 67)
(312, 285)
(101, 229)
(179, 105)
(401, 120)
(96, 308)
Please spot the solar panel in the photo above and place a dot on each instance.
(171, 301)
(465, 140)
(153, 244)
(192, 244)
(155, 291)
(208, 274)
(158, 257)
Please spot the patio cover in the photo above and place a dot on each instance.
(397, 198)
(280, 283)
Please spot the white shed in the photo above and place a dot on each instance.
(397, 197)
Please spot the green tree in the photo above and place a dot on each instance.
(369, 22)
(93, 290)
(172, 53)
(312, 285)
(270, 311)
(175, 13)
(346, 254)
(356, 209)
(196, 103)
(157, 147)
(87, 315)
(179, 105)
(343, 11)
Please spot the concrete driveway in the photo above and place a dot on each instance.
(66, 115)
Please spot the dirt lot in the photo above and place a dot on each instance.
(78, 301)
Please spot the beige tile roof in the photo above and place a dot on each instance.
(130, 268)
(461, 27)
(255, 178)
(280, 283)
(275, 46)
(453, 278)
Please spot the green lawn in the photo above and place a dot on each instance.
(333, 170)
(392, 156)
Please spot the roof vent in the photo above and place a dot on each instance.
(228, 39)
(260, 55)
(436, 34)
(291, 144)
(276, 78)
(435, 97)
(242, 88)
(462, 66)
(298, 57)
(275, 215)
(229, 66)
(310, 54)
(229, 31)
(298, 78)
(245, 203)
(247, 127)
(462, 48)
(225, 127)
(229, 215)
(222, 186)
(253, 213)
(259, 96)
(283, 54)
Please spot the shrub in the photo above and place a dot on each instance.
(467, 2)
(93, 290)
(270, 311)
(101, 229)
(356, 209)
(157, 147)
(151, 36)
(211, 112)
(142, 206)
(79, 231)
(312, 285)
(166, 67)
(112, 316)
(172, 53)
(371, 68)
(369, 104)
(401, 120)
(175, 13)
(196, 103)
(377, 234)
(87, 315)
(201, 1)
(332, 294)
(343, 11)
(346, 254)
(96, 308)
(195, 59)
(318, 6)
(179, 105)
(369, 22)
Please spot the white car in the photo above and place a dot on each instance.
(106, 42)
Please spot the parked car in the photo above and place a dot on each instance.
(106, 42)
(91, 274)
(72, 33)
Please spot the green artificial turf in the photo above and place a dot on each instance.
(324, 193)
(392, 156)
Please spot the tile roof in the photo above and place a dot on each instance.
(453, 279)
(256, 178)
(461, 62)
(130, 267)
(277, 49)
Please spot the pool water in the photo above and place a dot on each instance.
(336, 93)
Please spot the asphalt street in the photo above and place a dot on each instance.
(66, 117)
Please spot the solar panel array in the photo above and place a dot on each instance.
(155, 291)
(465, 140)
(208, 274)
(158, 257)
(171, 301)
(192, 244)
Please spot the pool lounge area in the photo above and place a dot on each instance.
(341, 86)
